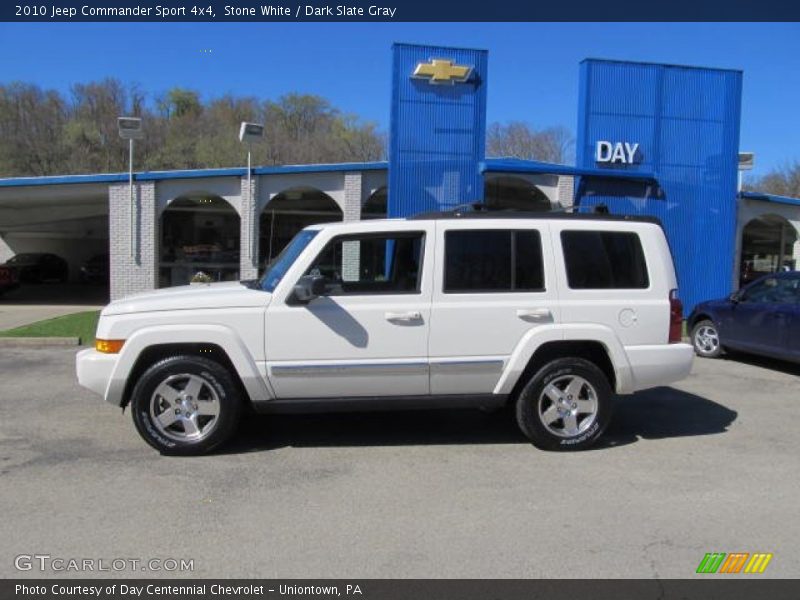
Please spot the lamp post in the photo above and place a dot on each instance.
(249, 133)
(746, 163)
(130, 128)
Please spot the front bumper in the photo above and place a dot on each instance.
(94, 370)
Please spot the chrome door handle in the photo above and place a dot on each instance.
(404, 317)
(538, 315)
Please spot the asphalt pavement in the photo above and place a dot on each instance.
(709, 465)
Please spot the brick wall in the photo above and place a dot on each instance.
(566, 188)
(352, 196)
(133, 272)
(248, 212)
(351, 259)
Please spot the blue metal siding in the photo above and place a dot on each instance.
(438, 132)
(516, 165)
(686, 121)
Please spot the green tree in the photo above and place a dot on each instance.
(44, 133)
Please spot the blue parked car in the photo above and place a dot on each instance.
(761, 318)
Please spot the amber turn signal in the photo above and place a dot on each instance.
(108, 346)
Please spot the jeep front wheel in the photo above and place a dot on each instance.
(566, 405)
(185, 405)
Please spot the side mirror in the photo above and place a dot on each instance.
(736, 296)
(309, 287)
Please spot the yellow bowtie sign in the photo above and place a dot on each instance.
(441, 71)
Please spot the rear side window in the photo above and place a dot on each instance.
(602, 260)
(478, 261)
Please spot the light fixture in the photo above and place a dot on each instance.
(249, 133)
(746, 163)
(130, 128)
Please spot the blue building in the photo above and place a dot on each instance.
(652, 139)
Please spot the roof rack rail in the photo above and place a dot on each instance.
(480, 207)
(469, 211)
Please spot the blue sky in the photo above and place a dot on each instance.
(533, 67)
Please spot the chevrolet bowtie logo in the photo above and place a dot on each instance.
(442, 71)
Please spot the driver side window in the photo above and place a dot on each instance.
(389, 263)
(772, 290)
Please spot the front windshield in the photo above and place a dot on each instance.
(275, 272)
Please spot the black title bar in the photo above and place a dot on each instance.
(399, 11)
(711, 588)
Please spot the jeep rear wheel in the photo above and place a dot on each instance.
(566, 405)
(185, 405)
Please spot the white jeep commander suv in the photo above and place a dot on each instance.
(552, 313)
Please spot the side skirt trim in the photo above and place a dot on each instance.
(379, 403)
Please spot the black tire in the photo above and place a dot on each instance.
(534, 405)
(203, 431)
(705, 339)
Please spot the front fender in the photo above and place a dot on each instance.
(535, 338)
(187, 333)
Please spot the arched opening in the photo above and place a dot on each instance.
(199, 234)
(514, 193)
(289, 212)
(767, 247)
(375, 206)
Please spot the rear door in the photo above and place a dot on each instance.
(493, 284)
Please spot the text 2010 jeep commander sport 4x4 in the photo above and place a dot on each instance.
(552, 312)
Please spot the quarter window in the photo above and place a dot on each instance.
(484, 261)
(601, 260)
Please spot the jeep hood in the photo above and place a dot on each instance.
(228, 294)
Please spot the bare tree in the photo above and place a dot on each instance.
(519, 140)
(31, 122)
(783, 181)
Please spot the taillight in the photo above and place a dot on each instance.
(675, 317)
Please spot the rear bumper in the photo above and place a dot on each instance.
(94, 371)
(652, 366)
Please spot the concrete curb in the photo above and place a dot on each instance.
(29, 342)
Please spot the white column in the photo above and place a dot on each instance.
(6, 251)
(248, 259)
(133, 269)
(566, 190)
(352, 196)
(351, 252)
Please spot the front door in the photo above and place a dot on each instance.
(367, 335)
(760, 320)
